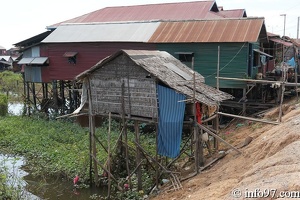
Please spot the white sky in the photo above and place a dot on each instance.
(22, 19)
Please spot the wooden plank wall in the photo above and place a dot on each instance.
(139, 91)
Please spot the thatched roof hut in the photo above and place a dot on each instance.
(144, 69)
(147, 85)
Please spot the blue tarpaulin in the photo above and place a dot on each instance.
(171, 115)
(291, 62)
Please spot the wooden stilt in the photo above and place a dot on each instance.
(282, 88)
(124, 123)
(92, 130)
(138, 156)
(216, 142)
(34, 95)
(106, 170)
(201, 158)
(196, 133)
(218, 137)
(108, 157)
(244, 101)
(55, 96)
(156, 156)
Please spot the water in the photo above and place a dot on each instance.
(11, 167)
(37, 188)
(15, 108)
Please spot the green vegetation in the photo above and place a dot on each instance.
(61, 148)
(3, 105)
(11, 84)
(10, 182)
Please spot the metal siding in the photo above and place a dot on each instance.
(33, 74)
(224, 30)
(35, 51)
(113, 32)
(206, 56)
(88, 55)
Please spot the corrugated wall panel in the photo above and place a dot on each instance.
(33, 74)
(233, 60)
(88, 55)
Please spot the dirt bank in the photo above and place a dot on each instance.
(269, 163)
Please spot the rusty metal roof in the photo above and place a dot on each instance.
(236, 13)
(167, 11)
(220, 30)
(280, 41)
(217, 30)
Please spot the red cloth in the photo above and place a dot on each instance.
(198, 113)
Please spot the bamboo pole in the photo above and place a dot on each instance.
(218, 137)
(196, 134)
(282, 88)
(112, 176)
(125, 134)
(138, 156)
(92, 130)
(248, 118)
(258, 81)
(216, 142)
(156, 155)
(108, 159)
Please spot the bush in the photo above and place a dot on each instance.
(3, 105)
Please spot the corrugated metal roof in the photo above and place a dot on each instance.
(278, 40)
(221, 30)
(25, 61)
(33, 61)
(170, 11)
(153, 62)
(237, 13)
(165, 11)
(104, 32)
(70, 54)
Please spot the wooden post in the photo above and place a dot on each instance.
(125, 133)
(108, 159)
(90, 153)
(282, 88)
(201, 159)
(244, 102)
(216, 142)
(34, 95)
(92, 130)
(46, 90)
(218, 69)
(138, 155)
(54, 88)
(217, 125)
(196, 130)
(156, 155)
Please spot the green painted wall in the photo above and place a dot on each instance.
(233, 60)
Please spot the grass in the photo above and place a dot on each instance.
(56, 147)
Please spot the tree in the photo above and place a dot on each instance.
(10, 82)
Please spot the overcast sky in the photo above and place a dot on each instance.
(22, 19)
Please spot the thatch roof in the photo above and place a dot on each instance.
(170, 71)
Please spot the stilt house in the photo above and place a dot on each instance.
(148, 86)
